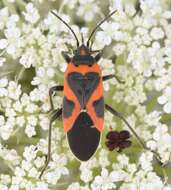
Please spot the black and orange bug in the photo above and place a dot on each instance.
(83, 102)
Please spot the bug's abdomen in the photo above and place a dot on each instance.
(83, 138)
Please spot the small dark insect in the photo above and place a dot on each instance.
(118, 140)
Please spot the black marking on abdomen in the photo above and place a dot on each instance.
(83, 138)
(99, 107)
(68, 107)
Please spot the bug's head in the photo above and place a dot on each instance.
(83, 50)
(82, 55)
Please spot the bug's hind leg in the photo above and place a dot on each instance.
(107, 77)
(66, 56)
(119, 115)
(51, 91)
(55, 115)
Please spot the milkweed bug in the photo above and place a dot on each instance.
(83, 102)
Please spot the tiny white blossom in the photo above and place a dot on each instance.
(14, 90)
(104, 181)
(157, 33)
(87, 9)
(165, 99)
(32, 14)
(30, 130)
(3, 43)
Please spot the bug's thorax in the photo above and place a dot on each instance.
(82, 56)
(83, 69)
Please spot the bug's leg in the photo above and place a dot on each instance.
(56, 114)
(119, 115)
(51, 91)
(95, 51)
(98, 56)
(107, 77)
(66, 56)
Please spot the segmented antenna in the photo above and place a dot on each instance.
(67, 26)
(94, 30)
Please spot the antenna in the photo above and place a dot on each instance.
(98, 25)
(67, 26)
(82, 38)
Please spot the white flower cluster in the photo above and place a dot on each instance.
(137, 50)
(130, 176)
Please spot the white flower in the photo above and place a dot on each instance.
(14, 41)
(86, 175)
(157, 33)
(152, 144)
(74, 186)
(17, 106)
(59, 168)
(6, 131)
(3, 187)
(103, 158)
(3, 43)
(19, 172)
(28, 58)
(146, 161)
(153, 118)
(43, 76)
(165, 99)
(161, 142)
(2, 120)
(32, 120)
(31, 108)
(12, 157)
(41, 186)
(119, 49)
(87, 9)
(30, 130)
(44, 122)
(20, 121)
(2, 61)
(4, 17)
(33, 172)
(14, 90)
(39, 162)
(3, 84)
(31, 14)
(107, 68)
(108, 33)
(104, 181)
(29, 153)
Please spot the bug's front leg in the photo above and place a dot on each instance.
(51, 91)
(66, 56)
(55, 115)
(119, 115)
(107, 77)
(98, 56)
